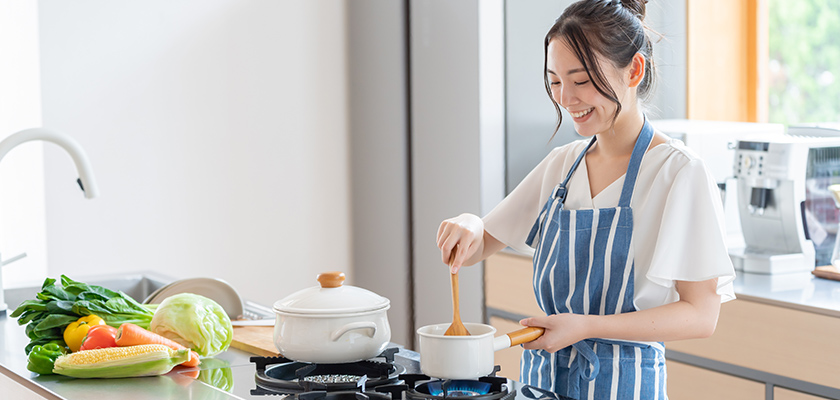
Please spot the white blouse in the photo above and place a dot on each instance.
(678, 220)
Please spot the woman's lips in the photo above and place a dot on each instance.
(580, 116)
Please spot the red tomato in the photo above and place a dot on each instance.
(100, 337)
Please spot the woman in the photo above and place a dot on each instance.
(627, 224)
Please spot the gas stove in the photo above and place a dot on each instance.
(279, 375)
(393, 375)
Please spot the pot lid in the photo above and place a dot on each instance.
(331, 297)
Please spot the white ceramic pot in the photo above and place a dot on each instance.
(466, 357)
(331, 323)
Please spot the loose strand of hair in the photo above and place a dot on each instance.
(548, 88)
(578, 40)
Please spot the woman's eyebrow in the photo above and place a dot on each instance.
(569, 72)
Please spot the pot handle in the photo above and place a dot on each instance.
(353, 326)
(514, 338)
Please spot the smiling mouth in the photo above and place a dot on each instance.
(582, 113)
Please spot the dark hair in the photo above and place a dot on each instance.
(614, 29)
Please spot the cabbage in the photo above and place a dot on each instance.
(216, 373)
(194, 321)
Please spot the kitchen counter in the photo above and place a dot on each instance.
(229, 375)
(798, 291)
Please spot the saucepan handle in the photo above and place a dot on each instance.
(514, 338)
(525, 335)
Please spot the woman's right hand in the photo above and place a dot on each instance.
(466, 231)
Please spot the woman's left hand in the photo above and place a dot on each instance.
(561, 330)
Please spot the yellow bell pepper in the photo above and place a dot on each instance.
(75, 333)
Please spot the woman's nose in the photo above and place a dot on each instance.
(564, 96)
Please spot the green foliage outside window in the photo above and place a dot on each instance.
(804, 61)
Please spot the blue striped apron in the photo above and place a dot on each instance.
(583, 264)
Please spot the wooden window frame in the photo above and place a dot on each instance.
(727, 55)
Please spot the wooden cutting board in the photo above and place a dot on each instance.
(257, 340)
(827, 272)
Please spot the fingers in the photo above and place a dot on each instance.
(534, 321)
(460, 237)
(561, 330)
(453, 256)
(539, 344)
(453, 238)
(542, 341)
(458, 249)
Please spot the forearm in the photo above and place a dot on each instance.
(693, 316)
(675, 321)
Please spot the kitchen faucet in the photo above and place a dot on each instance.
(86, 180)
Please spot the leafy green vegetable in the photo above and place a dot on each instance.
(216, 373)
(194, 321)
(60, 303)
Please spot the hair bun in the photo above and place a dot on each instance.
(635, 6)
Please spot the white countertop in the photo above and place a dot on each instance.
(800, 291)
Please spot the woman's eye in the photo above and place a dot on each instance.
(582, 83)
(554, 83)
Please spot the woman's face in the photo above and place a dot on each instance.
(572, 89)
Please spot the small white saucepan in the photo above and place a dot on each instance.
(466, 357)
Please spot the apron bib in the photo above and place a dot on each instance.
(583, 264)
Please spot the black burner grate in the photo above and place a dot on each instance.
(280, 375)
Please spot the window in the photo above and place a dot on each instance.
(803, 68)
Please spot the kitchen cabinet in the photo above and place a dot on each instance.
(687, 382)
(507, 285)
(755, 342)
(15, 390)
(508, 296)
(772, 339)
(785, 394)
(507, 359)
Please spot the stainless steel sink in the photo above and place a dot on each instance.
(137, 285)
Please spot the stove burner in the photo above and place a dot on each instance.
(280, 375)
(342, 395)
(422, 387)
(455, 388)
(333, 378)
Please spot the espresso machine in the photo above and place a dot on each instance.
(787, 214)
(715, 142)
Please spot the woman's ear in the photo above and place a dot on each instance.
(637, 70)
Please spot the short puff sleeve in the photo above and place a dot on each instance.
(511, 220)
(691, 245)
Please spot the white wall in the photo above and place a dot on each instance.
(22, 225)
(218, 134)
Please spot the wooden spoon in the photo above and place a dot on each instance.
(457, 328)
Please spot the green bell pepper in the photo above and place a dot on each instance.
(42, 358)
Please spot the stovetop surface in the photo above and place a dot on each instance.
(245, 382)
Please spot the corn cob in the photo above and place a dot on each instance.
(121, 362)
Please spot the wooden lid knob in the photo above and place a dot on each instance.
(332, 279)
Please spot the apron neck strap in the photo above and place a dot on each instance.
(560, 190)
(642, 144)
